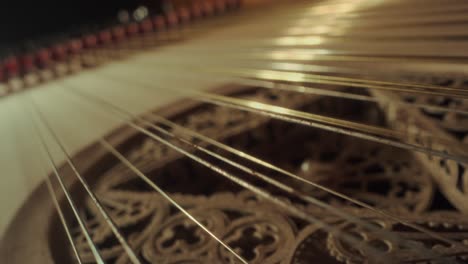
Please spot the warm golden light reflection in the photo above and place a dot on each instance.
(313, 30)
(298, 41)
(318, 30)
(325, 19)
(286, 76)
(295, 54)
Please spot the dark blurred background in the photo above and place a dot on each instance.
(27, 22)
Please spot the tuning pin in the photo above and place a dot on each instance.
(11, 67)
(59, 52)
(196, 10)
(207, 8)
(3, 87)
(146, 26)
(233, 3)
(27, 65)
(12, 71)
(184, 15)
(118, 33)
(90, 41)
(132, 29)
(59, 55)
(75, 46)
(2, 72)
(220, 6)
(27, 62)
(104, 37)
(172, 19)
(159, 23)
(43, 57)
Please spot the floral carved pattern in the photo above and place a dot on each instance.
(446, 120)
(261, 232)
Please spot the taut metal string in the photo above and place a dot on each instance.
(174, 126)
(85, 231)
(145, 178)
(250, 171)
(315, 43)
(62, 219)
(259, 191)
(299, 117)
(369, 132)
(131, 254)
(50, 189)
(253, 77)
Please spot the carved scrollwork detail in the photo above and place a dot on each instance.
(388, 178)
(259, 238)
(369, 172)
(313, 241)
(179, 239)
(445, 120)
(136, 212)
(404, 249)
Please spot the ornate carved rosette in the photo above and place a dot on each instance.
(448, 128)
(388, 178)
